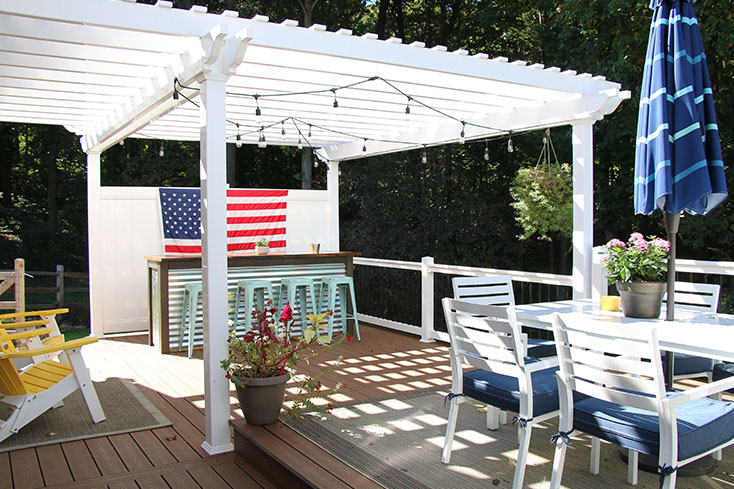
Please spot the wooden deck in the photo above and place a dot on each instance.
(384, 362)
(172, 457)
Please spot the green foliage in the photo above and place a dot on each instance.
(544, 201)
(637, 260)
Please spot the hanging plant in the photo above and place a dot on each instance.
(543, 197)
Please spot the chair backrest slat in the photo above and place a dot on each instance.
(696, 296)
(618, 363)
(492, 290)
(10, 381)
(486, 337)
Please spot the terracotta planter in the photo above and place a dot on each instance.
(641, 299)
(261, 399)
(262, 250)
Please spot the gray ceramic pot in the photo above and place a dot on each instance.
(641, 299)
(261, 399)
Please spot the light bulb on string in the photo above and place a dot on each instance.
(424, 157)
(238, 141)
(309, 131)
(282, 130)
(122, 142)
(261, 143)
(258, 112)
(336, 102)
(364, 146)
(300, 143)
(462, 138)
(161, 153)
(510, 146)
(407, 107)
(486, 150)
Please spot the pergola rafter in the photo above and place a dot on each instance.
(107, 70)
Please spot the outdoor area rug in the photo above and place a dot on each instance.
(397, 442)
(126, 409)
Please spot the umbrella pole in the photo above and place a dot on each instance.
(672, 221)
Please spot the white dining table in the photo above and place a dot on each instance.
(702, 334)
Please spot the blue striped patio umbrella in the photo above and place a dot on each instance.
(678, 162)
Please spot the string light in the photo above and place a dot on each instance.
(336, 102)
(462, 139)
(122, 142)
(486, 150)
(161, 153)
(510, 146)
(424, 158)
(238, 141)
(309, 131)
(258, 112)
(282, 129)
(364, 146)
(407, 106)
(300, 143)
(261, 143)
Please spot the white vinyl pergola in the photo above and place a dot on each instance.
(107, 70)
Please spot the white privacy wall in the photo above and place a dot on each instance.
(131, 230)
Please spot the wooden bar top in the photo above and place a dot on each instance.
(271, 256)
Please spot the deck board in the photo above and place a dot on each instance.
(53, 464)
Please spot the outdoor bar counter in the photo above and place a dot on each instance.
(167, 276)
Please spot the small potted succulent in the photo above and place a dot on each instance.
(262, 246)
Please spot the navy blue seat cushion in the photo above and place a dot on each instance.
(502, 391)
(690, 364)
(722, 371)
(541, 348)
(702, 425)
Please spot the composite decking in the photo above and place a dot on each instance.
(384, 362)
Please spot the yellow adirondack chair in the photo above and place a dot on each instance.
(37, 388)
(46, 318)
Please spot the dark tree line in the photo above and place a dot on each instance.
(456, 206)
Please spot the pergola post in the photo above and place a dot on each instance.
(583, 207)
(332, 186)
(95, 237)
(213, 171)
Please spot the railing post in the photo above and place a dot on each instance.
(599, 284)
(427, 294)
(19, 280)
(60, 285)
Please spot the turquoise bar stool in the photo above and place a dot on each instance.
(189, 305)
(340, 284)
(299, 288)
(251, 293)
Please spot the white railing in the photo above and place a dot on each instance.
(427, 267)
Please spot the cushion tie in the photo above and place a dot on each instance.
(450, 396)
(521, 421)
(665, 470)
(564, 436)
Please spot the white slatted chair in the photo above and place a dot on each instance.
(699, 298)
(489, 338)
(618, 368)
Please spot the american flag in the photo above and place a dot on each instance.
(251, 215)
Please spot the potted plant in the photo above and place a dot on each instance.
(260, 364)
(262, 246)
(637, 267)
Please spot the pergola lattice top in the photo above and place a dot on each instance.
(105, 70)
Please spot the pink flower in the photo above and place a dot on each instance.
(641, 245)
(287, 314)
(662, 243)
(615, 243)
(636, 237)
(603, 258)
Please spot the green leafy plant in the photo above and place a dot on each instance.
(638, 259)
(270, 349)
(543, 201)
(263, 242)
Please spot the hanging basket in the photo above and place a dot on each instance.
(543, 197)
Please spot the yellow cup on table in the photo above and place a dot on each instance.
(610, 302)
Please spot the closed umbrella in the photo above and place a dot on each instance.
(678, 162)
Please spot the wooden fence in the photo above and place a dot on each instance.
(22, 281)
